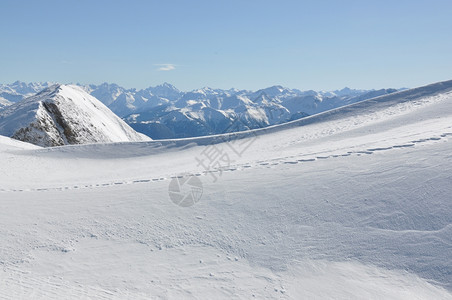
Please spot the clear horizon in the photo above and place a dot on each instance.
(214, 87)
(248, 45)
(184, 91)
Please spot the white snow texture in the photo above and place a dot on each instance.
(353, 203)
(62, 115)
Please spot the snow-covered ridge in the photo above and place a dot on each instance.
(62, 115)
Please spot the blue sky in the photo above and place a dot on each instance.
(247, 44)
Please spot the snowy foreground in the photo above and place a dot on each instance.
(350, 204)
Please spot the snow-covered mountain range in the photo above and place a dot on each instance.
(352, 203)
(19, 90)
(207, 111)
(166, 112)
(62, 115)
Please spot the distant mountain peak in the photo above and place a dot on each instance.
(166, 85)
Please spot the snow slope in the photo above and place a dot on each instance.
(61, 115)
(7, 143)
(349, 204)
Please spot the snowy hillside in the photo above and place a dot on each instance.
(353, 203)
(62, 115)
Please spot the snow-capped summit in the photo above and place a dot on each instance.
(166, 90)
(64, 114)
(276, 91)
(107, 93)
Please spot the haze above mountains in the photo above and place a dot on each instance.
(163, 111)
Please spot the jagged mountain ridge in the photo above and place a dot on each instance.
(19, 90)
(63, 115)
(166, 112)
(206, 111)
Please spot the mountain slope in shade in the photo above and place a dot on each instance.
(4, 102)
(62, 115)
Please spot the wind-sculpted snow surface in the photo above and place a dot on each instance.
(353, 203)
